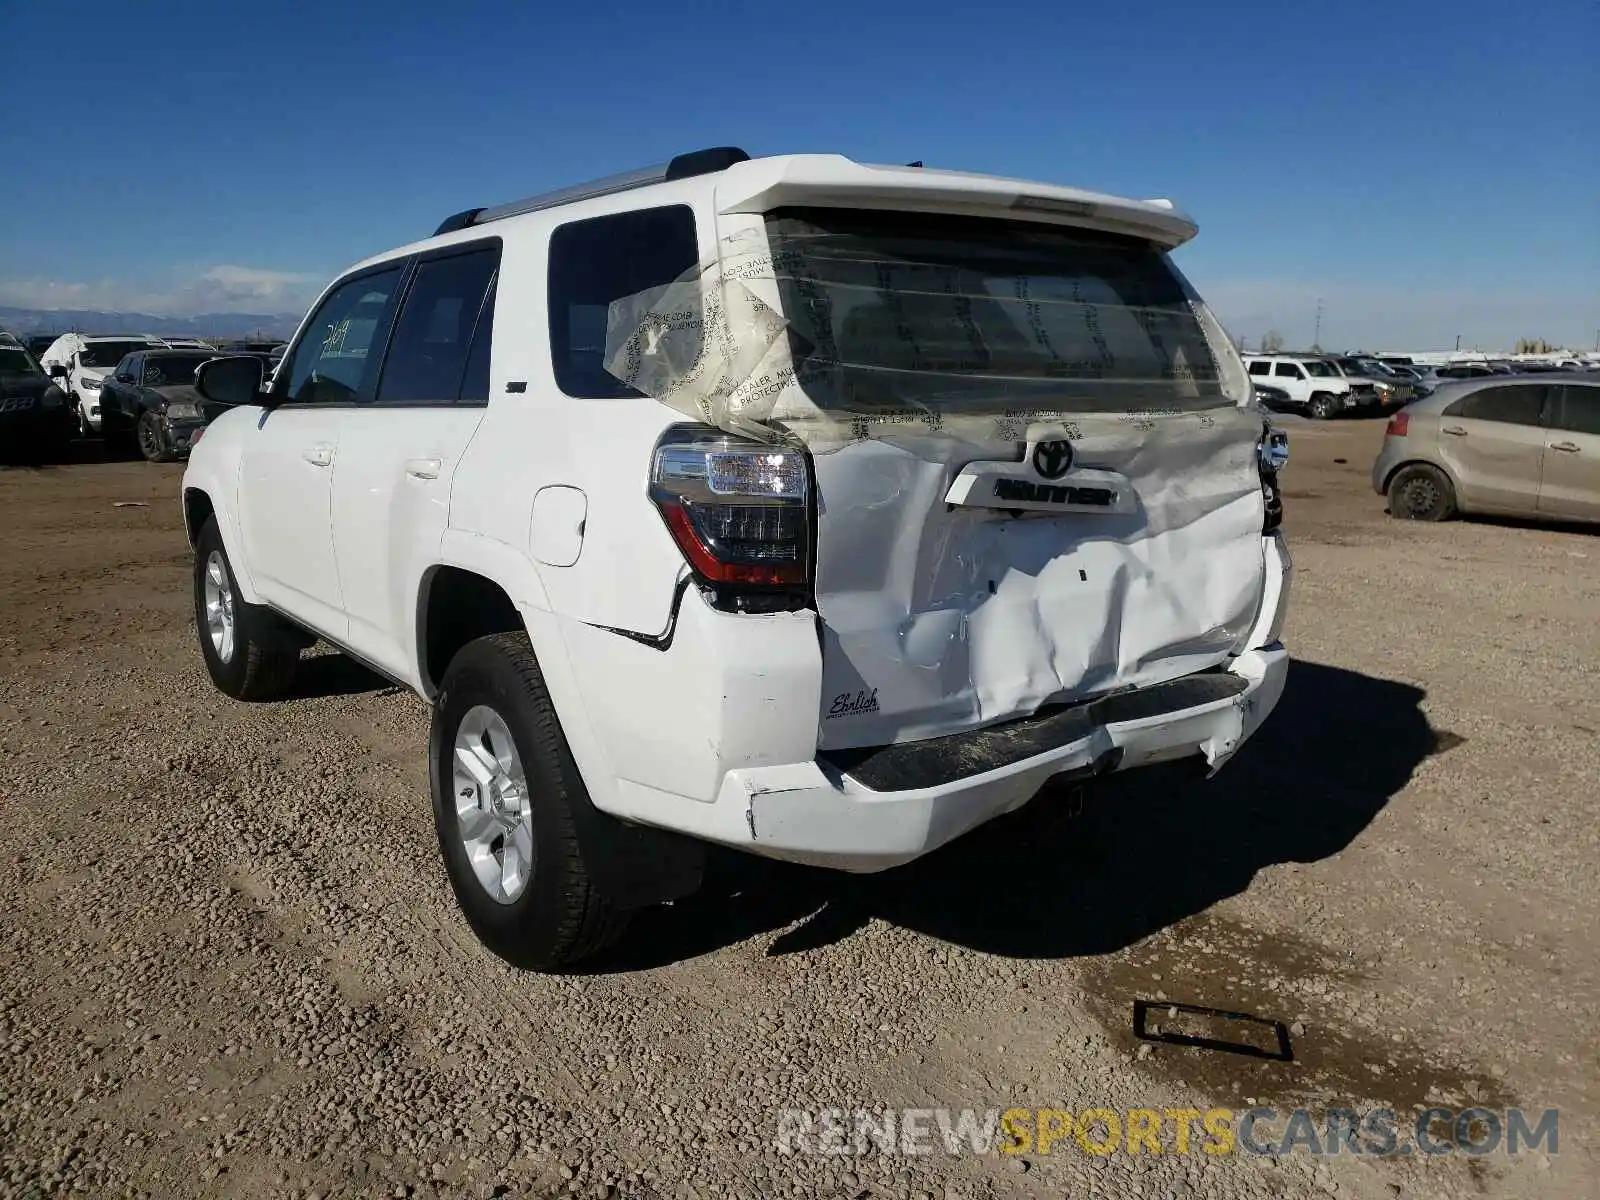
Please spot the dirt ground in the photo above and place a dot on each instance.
(230, 965)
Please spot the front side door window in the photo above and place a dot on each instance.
(334, 360)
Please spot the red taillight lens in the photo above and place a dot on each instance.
(739, 511)
(1398, 424)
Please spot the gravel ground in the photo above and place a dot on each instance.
(230, 966)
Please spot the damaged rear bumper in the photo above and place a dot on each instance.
(825, 813)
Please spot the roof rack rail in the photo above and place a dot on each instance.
(684, 166)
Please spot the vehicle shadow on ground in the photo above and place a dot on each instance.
(77, 452)
(1149, 848)
(334, 674)
(1547, 524)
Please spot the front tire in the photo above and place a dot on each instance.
(248, 653)
(505, 788)
(1421, 493)
(1324, 407)
(152, 441)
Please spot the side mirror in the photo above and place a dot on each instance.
(231, 381)
(58, 370)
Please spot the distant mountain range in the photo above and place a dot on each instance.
(24, 321)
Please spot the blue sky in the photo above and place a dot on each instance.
(1427, 169)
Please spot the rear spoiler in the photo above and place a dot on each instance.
(833, 181)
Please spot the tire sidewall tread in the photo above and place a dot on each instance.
(561, 917)
(261, 667)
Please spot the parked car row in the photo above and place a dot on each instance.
(134, 390)
(1323, 386)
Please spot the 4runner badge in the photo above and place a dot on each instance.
(1053, 493)
(846, 705)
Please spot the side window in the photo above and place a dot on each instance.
(1285, 370)
(1260, 368)
(475, 380)
(130, 369)
(604, 259)
(330, 363)
(427, 357)
(1579, 410)
(1515, 404)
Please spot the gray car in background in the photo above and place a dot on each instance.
(1505, 445)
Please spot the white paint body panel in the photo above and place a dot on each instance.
(285, 506)
(391, 504)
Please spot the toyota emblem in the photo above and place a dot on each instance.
(1052, 460)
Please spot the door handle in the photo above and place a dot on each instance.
(423, 468)
(1454, 431)
(318, 456)
(1565, 447)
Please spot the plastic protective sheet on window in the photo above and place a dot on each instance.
(758, 344)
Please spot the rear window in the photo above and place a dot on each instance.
(976, 315)
(1579, 410)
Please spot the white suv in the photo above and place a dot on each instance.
(1313, 384)
(80, 365)
(820, 510)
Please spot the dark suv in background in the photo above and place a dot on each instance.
(149, 403)
(36, 423)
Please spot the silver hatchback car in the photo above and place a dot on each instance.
(1519, 446)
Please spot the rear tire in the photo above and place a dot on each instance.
(505, 814)
(1324, 407)
(249, 652)
(1421, 493)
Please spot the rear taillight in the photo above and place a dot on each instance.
(741, 514)
(1272, 453)
(1398, 424)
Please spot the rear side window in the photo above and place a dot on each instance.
(331, 361)
(1578, 410)
(601, 260)
(1516, 404)
(1288, 371)
(1260, 368)
(434, 333)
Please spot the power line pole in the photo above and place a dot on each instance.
(1316, 333)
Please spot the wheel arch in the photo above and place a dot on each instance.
(458, 603)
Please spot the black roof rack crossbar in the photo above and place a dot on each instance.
(684, 166)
